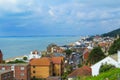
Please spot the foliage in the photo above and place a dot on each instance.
(112, 33)
(96, 55)
(114, 47)
(68, 71)
(80, 65)
(112, 74)
(106, 67)
(25, 58)
(64, 76)
(68, 52)
(16, 61)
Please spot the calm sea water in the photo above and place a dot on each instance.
(19, 46)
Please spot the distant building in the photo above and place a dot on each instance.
(6, 75)
(1, 56)
(53, 48)
(35, 54)
(86, 53)
(113, 59)
(21, 71)
(83, 71)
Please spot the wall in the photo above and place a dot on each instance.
(96, 67)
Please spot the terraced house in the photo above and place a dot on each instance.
(20, 71)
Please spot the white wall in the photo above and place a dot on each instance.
(95, 68)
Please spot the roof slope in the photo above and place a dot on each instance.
(57, 60)
(83, 71)
(42, 61)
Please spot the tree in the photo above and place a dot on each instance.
(96, 55)
(25, 58)
(106, 67)
(114, 47)
(68, 52)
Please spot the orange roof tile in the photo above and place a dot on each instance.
(41, 61)
(83, 71)
(57, 60)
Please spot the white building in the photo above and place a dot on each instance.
(113, 59)
(34, 54)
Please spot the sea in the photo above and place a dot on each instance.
(18, 46)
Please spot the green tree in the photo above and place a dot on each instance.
(25, 58)
(106, 67)
(68, 52)
(96, 55)
(114, 47)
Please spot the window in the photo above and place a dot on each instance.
(22, 74)
(3, 68)
(22, 68)
(34, 77)
(12, 67)
(33, 71)
(33, 66)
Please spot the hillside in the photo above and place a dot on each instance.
(113, 74)
(113, 33)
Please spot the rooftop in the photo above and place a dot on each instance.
(83, 71)
(57, 60)
(41, 61)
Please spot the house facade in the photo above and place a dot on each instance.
(21, 71)
(34, 54)
(41, 68)
(58, 65)
(6, 75)
(113, 59)
(46, 67)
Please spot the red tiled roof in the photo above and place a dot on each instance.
(86, 55)
(57, 60)
(83, 71)
(42, 61)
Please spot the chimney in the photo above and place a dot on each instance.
(118, 56)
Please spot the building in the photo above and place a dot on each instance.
(83, 71)
(1, 56)
(53, 48)
(113, 59)
(34, 54)
(58, 66)
(6, 75)
(41, 68)
(21, 71)
(86, 53)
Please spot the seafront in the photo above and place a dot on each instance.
(19, 46)
(14, 58)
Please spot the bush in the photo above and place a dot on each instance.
(106, 67)
(25, 58)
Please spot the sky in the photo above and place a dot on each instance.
(58, 17)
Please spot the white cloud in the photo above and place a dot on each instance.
(51, 13)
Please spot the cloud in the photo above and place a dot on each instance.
(72, 14)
